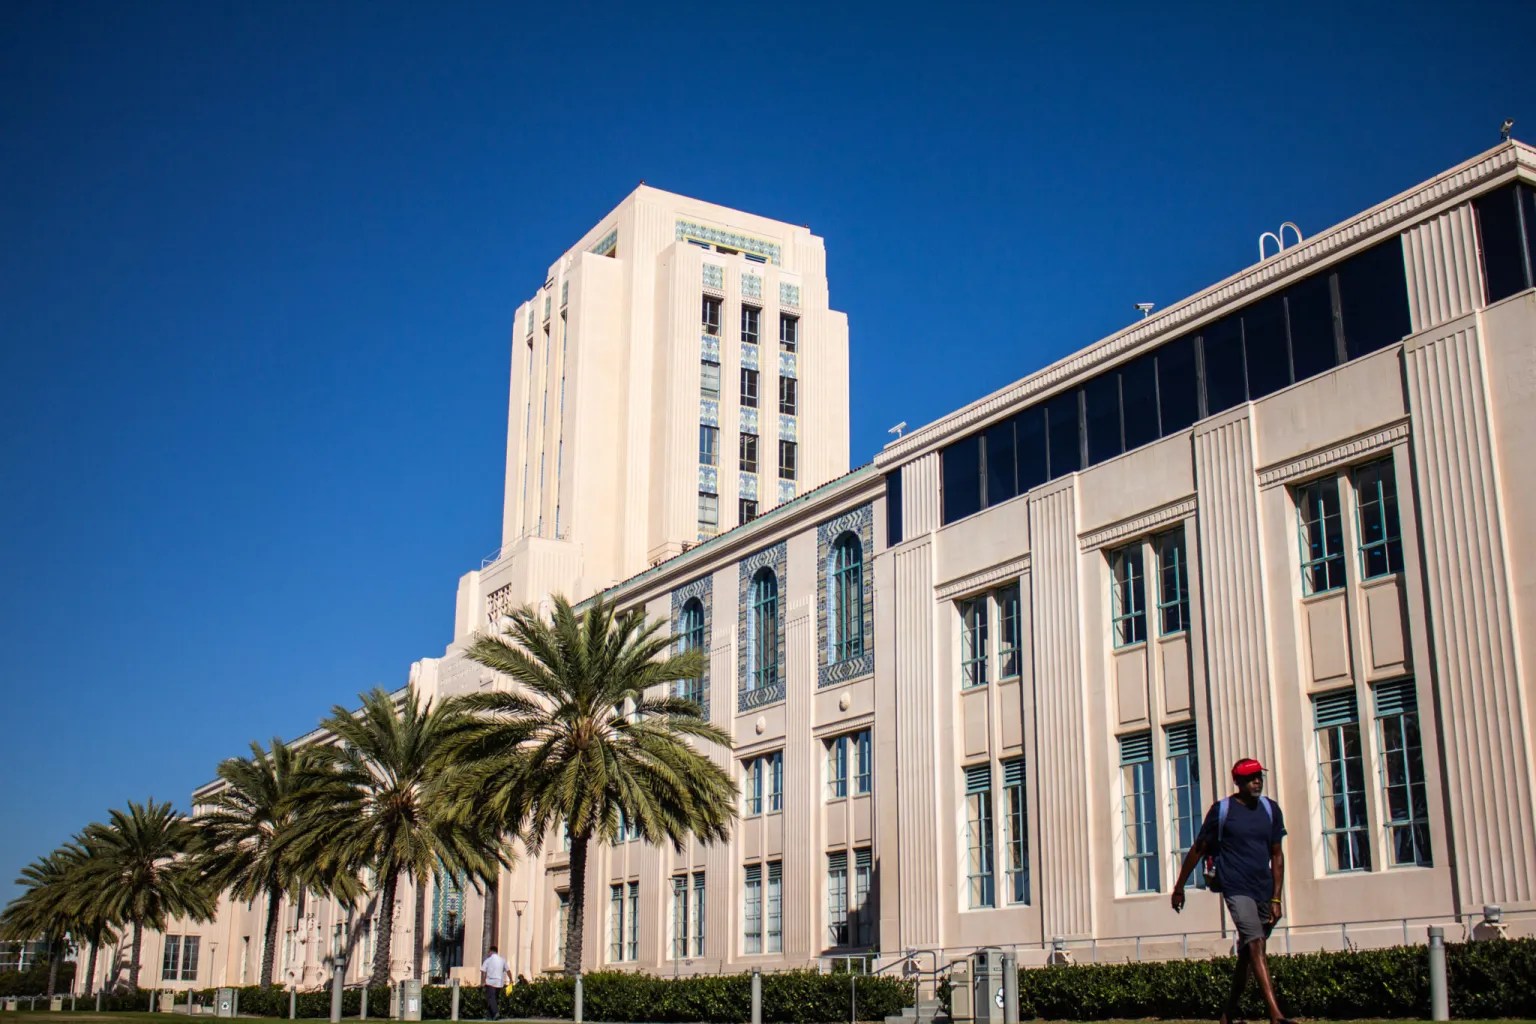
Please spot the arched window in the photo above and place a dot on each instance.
(690, 637)
(845, 598)
(763, 631)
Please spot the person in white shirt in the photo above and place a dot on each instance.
(494, 977)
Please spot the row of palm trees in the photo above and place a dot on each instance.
(408, 789)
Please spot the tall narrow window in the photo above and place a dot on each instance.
(751, 318)
(1341, 781)
(837, 768)
(632, 923)
(763, 784)
(980, 881)
(748, 446)
(787, 459)
(752, 910)
(775, 781)
(752, 788)
(845, 593)
(170, 966)
(709, 513)
(1381, 547)
(1009, 656)
(709, 381)
(837, 898)
(789, 395)
(1184, 808)
(1403, 795)
(680, 915)
(698, 913)
(973, 642)
(864, 763)
(1321, 535)
(748, 388)
(711, 316)
(746, 510)
(1172, 583)
(616, 922)
(861, 912)
(789, 332)
(1128, 610)
(690, 631)
(189, 951)
(773, 939)
(763, 640)
(562, 922)
(1138, 812)
(1016, 850)
(709, 445)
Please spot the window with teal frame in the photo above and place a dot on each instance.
(690, 631)
(1010, 661)
(1381, 547)
(980, 879)
(1127, 600)
(1184, 807)
(1016, 849)
(973, 643)
(1404, 798)
(1321, 533)
(763, 631)
(845, 593)
(1172, 583)
(1341, 781)
(752, 910)
(1138, 812)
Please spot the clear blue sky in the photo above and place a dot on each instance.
(258, 264)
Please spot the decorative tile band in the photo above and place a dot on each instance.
(1328, 458)
(787, 364)
(748, 700)
(786, 491)
(749, 421)
(1144, 523)
(861, 523)
(709, 479)
(789, 294)
(709, 412)
(749, 357)
(729, 239)
(747, 485)
(608, 244)
(751, 286)
(787, 431)
(709, 348)
(714, 277)
(701, 589)
(776, 559)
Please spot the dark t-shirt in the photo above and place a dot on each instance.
(1242, 856)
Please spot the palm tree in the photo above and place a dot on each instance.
(385, 816)
(49, 907)
(247, 832)
(139, 870)
(580, 742)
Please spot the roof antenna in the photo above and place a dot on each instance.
(898, 428)
(1146, 309)
(1505, 128)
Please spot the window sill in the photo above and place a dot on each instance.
(1130, 646)
(1174, 634)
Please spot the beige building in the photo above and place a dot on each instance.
(983, 690)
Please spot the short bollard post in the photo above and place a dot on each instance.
(98, 1000)
(1011, 988)
(1439, 1002)
(293, 1003)
(576, 1004)
(362, 1012)
(453, 1009)
(338, 979)
(757, 996)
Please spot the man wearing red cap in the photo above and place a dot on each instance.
(1243, 832)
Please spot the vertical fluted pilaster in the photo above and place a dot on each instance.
(918, 885)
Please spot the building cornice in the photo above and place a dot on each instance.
(1507, 160)
(985, 578)
(1144, 523)
(1333, 456)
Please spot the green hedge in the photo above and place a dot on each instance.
(1486, 979)
(790, 997)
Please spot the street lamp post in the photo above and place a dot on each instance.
(517, 952)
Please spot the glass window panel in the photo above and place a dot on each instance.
(1309, 311)
(1321, 536)
(711, 317)
(789, 332)
(1381, 546)
(751, 318)
(1498, 228)
(787, 459)
(774, 941)
(748, 453)
(1225, 380)
(709, 380)
(980, 880)
(1138, 810)
(1138, 401)
(960, 470)
(752, 910)
(1373, 299)
(1172, 582)
(893, 521)
(973, 642)
(1404, 796)
(748, 389)
(1017, 834)
(709, 445)
(1009, 655)
(1527, 196)
(1341, 788)
(1266, 348)
(1127, 596)
(1029, 453)
(1002, 475)
(1101, 416)
(1063, 435)
(789, 390)
(1178, 386)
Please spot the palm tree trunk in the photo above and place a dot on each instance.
(385, 926)
(269, 940)
(55, 954)
(420, 928)
(575, 924)
(90, 971)
(133, 962)
(488, 927)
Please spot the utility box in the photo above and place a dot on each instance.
(989, 986)
(410, 999)
(56, 1004)
(961, 995)
(224, 1003)
(167, 1002)
(9, 1005)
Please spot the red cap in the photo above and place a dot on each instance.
(1247, 766)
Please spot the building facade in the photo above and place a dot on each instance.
(982, 690)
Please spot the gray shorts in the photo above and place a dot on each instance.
(1247, 918)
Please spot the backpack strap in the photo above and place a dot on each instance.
(1269, 808)
(1221, 817)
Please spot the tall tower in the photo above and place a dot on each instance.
(679, 371)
